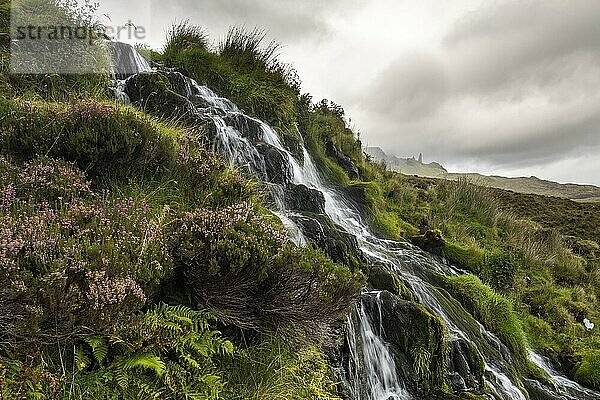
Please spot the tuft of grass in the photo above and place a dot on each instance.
(280, 370)
(493, 310)
(183, 35)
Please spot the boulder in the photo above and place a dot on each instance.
(338, 244)
(153, 92)
(304, 199)
(249, 128)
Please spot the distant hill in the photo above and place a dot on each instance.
(408, 166)
(530, 185)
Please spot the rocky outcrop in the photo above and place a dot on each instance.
(248, 127)
(338, 244)
(342, 160)
(416, 338)
(304, 199)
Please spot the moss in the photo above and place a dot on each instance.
(588, 370)
(469, 258)
(539, 333)
(494, 311)
(418, 340)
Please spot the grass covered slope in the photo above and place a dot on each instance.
(89, 261)
(126, 245)
(534, 286)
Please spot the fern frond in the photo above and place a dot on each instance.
(99, 348)
(147, 361)
(82, 361)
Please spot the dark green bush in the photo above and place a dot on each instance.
(103, 139)
(236, 262)
(502, 269)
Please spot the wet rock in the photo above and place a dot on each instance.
(338, 244)
(153, 92)
(416, 338)
(342, 160)
(302, 198)
(432, 241)
(277, 168)
(126, 61)
(467, 363)
(249, 128)
(381, 278)
(458, 383)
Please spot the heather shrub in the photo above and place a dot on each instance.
(237, 262)
(71, 264)
(102, 139)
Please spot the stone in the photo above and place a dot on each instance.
(302, 198)
(342, 160)
(338, 244)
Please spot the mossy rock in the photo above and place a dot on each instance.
(417, 339)
(381, 278)
(155, 93)
(432, 241)
(588, 370)
(338, 244)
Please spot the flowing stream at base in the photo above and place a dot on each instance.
(235, 135)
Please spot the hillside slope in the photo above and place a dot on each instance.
(527, 185)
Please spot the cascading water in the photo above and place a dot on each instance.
(369, 353)
(372, 373)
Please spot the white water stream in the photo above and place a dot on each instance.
(369, 352)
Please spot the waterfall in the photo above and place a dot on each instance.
(372, 373)
(370, 355)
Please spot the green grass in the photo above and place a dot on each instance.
(279, 370)
(494, 311)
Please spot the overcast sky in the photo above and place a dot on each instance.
(500, 87)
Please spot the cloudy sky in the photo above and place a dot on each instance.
(500, 87)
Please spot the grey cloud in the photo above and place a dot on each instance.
(287, 21)
(412, 87)
(527, 43)
(557, 142)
